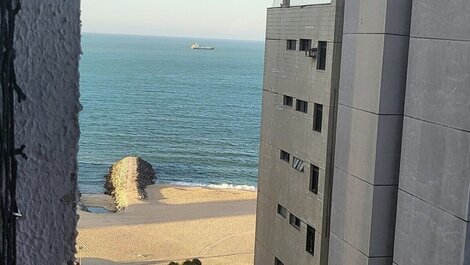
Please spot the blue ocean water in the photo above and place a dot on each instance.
(193, 114)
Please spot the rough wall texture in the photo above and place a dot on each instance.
(48, 50)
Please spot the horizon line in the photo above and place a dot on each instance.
(169, 36)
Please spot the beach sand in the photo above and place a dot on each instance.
(173, 224)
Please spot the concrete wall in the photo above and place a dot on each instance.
(369, 129)
(294, 74)
(48, 49)
(433, 217)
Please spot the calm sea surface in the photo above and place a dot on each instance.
(193, 114)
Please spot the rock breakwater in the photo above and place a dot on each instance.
(127, 179)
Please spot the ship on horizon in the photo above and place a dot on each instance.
(196, 46)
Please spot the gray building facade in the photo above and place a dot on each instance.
(397, 151)
(303, 45)
(433, 213)
(369, 131)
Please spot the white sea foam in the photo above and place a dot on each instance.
(223, 186)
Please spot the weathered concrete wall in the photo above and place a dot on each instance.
(48, 49)
(369, 128)
(292, 73)
(433, 217)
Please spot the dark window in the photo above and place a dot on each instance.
(301, 105)
(321, 61)
(278, 262)
(294, 221)
(285, 156)
(317, 117)
(282, 211)
(288, 101)
(305, 45)
(310, 246)
(298, 164)
(314, 175)
(292, 45)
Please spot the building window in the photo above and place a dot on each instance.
(277, 262)
(301, 106)
(282, 211)
(292, 45)
(285, 156)
(298, 164)
(288, 101)
(317, 117)
(321, 61)
(305, 45)
(310, 246)
(294, 221)
(314, 175)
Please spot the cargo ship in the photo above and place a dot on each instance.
(196, 46)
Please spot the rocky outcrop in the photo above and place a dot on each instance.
(127, 179)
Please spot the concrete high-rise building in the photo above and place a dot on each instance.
(396, 151)
(303, 47)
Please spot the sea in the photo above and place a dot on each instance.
(193, 114)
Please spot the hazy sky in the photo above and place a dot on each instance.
(228, 19)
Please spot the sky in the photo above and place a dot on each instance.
(224, 19)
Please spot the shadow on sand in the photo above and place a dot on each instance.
(93, 261)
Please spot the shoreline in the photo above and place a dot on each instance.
(175, 222)
(222, 186)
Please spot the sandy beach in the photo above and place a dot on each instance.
(173, 224)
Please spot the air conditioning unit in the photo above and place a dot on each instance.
(312, 52)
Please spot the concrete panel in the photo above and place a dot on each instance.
(364, 215)
(342, 253)
(394, 71)
(373, 72)
(467, 247)
(428, 235)
(262, 255)
(441, 19)
(368, 145)
(361, 54)
(439, 81)
(398, 19)
(266, 221)
(435, 166)
(377, 16)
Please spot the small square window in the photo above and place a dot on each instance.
(294, 221)
(321, 61)
(284, 156)
(305, 44)
(277, 262)
(288, 101)
(301, 106)
(310, 245)
(314, 175)
(317, 117)
(291, 45)
(282, 211)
